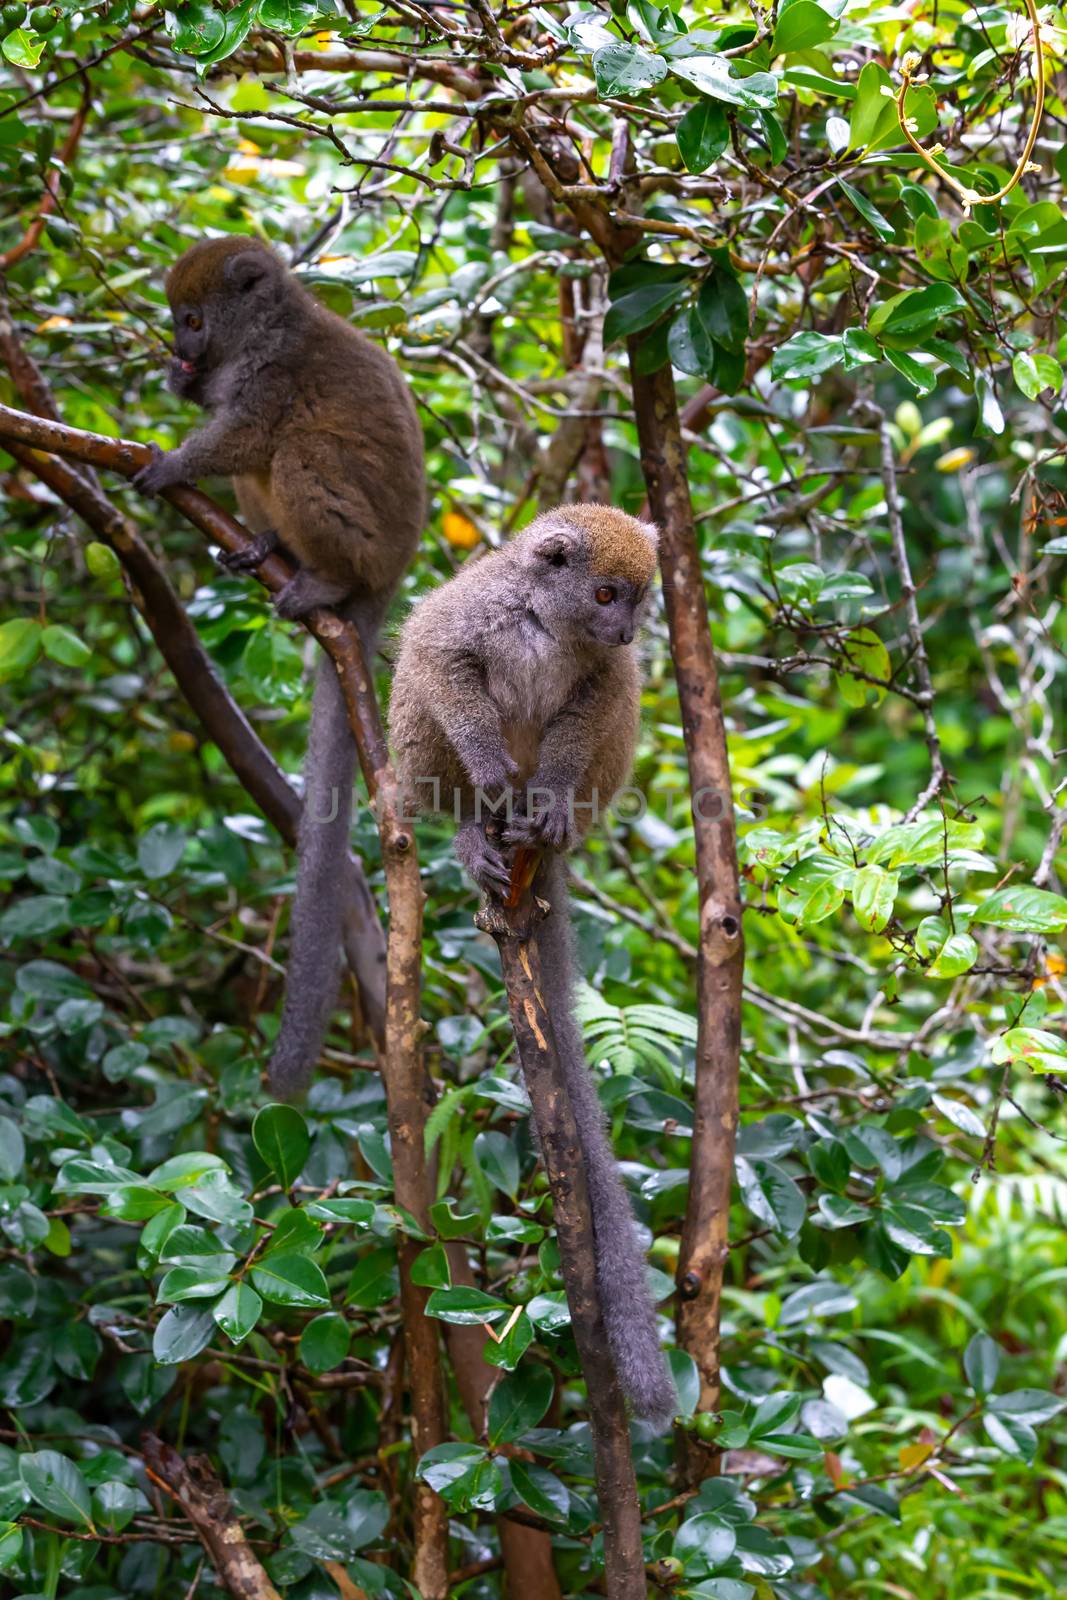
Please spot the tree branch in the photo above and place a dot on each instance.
(207, 1507)
(514, 929)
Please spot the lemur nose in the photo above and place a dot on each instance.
(626, 635)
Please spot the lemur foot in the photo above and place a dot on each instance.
(482, 860)
(157, 474)
(306, 591)
(548, 828)
(257, 550)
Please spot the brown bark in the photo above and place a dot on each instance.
(704, 1245)
(207, 1508)
(402, 1069)
(513, 927)
(527, 1552)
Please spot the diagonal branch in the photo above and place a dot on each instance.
(207, 1507)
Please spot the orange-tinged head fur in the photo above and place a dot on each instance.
(619, 545)
(200, 271)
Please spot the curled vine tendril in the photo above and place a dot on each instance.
(971, 197)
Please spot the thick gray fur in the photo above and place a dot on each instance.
(313, 973)
(622, 1279)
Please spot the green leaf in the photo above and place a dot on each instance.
(12, 1150)
(1011, 1436)
(714, 76)
(703, 135)
(190, 1283)
(195, 28)
(64, 646)
(509, 1348)
(722, 309)
(466, 1307)
(916, 310)
(958, 954)
(20, 639)
(864, 652)
(640, 309)
(981, 1363)
(238, 1312)
(518, 1403)
(771, 1195)
(324, 1342)
(23, 47)
(539, 1489)
(289, 17)
(102, 561)
(707, 1536)
(625, 69)
(182, 1334)
(1023, 910)
(874, 892)
(1032, 1406)
(160, 849)
(430, 1269)
(56, 1483)
(291, 1280)
(281, 1136)
(801, 25)
(11, 1544)
(1034, 373)
(236, 25)
(921, 378)
(870, 213)
(805, 355)
(1038, 1049)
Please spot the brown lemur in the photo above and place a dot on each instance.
(316, 425)
(518, 680)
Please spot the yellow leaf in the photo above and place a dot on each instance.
(913, 1455)
(247, 147)
(460, 531)
(953, 460)
(50, 324)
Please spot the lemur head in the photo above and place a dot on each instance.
(222, 293)
(592, 567)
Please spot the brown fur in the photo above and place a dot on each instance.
(317, 428)
(618, 543)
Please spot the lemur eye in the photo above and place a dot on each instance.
(604, 595)
(195, 322)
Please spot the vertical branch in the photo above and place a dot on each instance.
(526, 1552)
(513, 928)
(720, 962)
(924, 698)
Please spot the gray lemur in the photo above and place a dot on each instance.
(519, 677)
(316, 425)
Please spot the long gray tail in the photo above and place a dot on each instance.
(622, 1281)
(318, 907)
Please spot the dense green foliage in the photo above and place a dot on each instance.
(181, 1255)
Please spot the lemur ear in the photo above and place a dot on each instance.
(246, 271)
(554, 547)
